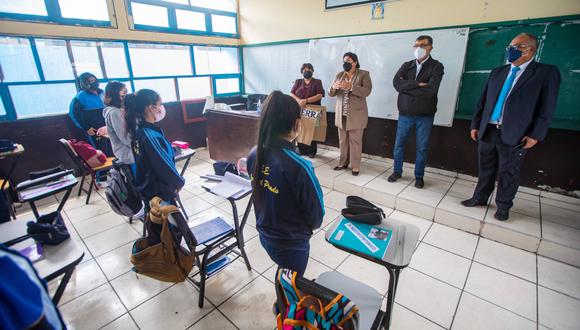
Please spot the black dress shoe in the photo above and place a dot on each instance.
(502, 214)
(473, 202)
(339, 168)
(419, 183)
(355, 173)
(393, 177)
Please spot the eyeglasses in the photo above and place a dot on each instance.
(518, 46)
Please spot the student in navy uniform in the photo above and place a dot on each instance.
(156, 172)
(86, 112)
(287, 196)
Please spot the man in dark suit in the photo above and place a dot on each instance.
(512, 115)
(417, 82)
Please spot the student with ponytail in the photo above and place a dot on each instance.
(287, 196)
(156, 172)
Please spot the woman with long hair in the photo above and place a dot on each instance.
(114, 114)
(287, 196)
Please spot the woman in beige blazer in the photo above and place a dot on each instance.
(351, 88)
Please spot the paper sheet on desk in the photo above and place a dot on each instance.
(232, 186)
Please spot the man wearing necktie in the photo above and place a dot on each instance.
(512, 115)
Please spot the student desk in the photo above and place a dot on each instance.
(396, 257)
(231, 134)
(57, 260)
(16, 153)
(33, 194)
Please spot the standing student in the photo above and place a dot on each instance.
(114, 114)
(86, 112)
(287, 196)
(417, 82)
(307, 90)
(154, 158)
(351, 88)
(512, 115)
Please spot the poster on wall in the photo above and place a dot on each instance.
(333, 4)
(378, 11)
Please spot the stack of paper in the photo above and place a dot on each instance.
(232, 186)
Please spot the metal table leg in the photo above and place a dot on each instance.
(62, 285)
(393, 281)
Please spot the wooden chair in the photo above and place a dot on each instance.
(86, 168)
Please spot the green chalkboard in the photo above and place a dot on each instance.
(558, 45)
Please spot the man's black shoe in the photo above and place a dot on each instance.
(393, 177)
(502, 214)
(419, 183)
(473, 202)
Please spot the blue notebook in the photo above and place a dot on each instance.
(366, 239)
(210, 230)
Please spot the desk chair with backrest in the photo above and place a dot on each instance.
(86, 169)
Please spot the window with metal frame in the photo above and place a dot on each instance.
(198, 17)
(67, 12)
(225, 86)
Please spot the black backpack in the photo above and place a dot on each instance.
(121, 194)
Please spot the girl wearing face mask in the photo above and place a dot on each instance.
(287, 196)
(307, 90)
(351, 88)
(156, 173)
(114, 114)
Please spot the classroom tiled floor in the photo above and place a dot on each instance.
(458, 279)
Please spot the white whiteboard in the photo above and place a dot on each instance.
(268, 68)
(382, 55)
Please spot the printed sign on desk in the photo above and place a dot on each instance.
(362, 238)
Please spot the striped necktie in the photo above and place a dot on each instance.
(497, 110)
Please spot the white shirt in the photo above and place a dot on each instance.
(420, 65)
(518, 75)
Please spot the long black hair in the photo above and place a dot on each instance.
(279, 115)
(112, 91)
(135, 105)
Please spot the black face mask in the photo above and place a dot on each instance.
(307, 74)
(347, 66)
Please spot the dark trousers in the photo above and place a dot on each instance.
(497, 159)
(423, 126)
(294, 258)
(308, 150)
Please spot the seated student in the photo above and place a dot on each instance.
(156, 173)
(114, 114)
(287, 196)
(86, 112)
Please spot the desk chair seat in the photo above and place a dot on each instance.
(106, 166)
(367, 299)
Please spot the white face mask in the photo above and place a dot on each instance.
(160, 114)
(420, 52)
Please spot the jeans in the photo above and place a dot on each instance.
(423, 126)
(289, 257)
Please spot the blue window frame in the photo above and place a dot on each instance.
(197, 17)
(47, 68)
(67, 12)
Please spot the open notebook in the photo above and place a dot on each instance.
(232, 186)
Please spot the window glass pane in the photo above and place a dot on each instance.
(223, 24)
(164, 87)
(28, 7)
(47, 99)
(2, 109)
(16, 60)
(190, 20)
(194, 88)
(183, 2)
(84, 9)
(54, 59)
(215, 60)
(225, 5)
(151, 60)
(114, 58)
(149, 15)
(86, 57)
(228, 85)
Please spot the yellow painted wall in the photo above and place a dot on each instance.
(122, 32)
(282, 20)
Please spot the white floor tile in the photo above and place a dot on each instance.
(228, 282)
(529, 206)
(506, 258)
(93, 209)
(314, 269)
(559, 212)
(559, 252)
(367, 272)
(111, 239)
(517, 222)
(324, 252)
(507, 291)
(195, 205)
(125, 322)
(116, 262)
(562, 235)
(381, 184)
(559, 277)
(427, 296)
(404, 319)
(93, 310)
(558, 311)
(97, 224)
(445, 266)
(85, 278)
(510, 237)
(214, 321)
(421, 223)
(477, 314)
(174, 308)
(134, 289)
(259, 259)
(452, 240)
(335, 200)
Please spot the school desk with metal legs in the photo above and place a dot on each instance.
(395, 257)
(32, 194)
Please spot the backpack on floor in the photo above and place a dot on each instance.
(121, 194)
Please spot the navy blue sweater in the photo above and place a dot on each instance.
(156, 172)
(292, 204)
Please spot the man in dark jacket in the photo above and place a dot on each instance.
(512, 115)
(417, 82)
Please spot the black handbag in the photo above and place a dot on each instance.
(360, 210)
(49, 229)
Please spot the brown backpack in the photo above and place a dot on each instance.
(160, 254)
